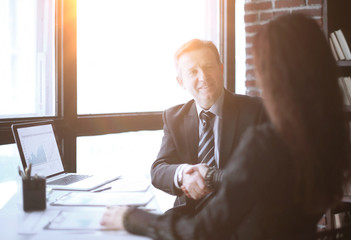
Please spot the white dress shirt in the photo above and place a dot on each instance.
(217, 110)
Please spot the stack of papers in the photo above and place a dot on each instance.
(77, 220)
(130, 184)
(104, 199)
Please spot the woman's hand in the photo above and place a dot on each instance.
(113, 217)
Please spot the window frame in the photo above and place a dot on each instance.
(68, 124)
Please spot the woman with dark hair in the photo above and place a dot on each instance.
(284, 175)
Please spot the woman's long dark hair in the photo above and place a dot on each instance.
(298, 75)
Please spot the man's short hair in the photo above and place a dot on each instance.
(192, 45)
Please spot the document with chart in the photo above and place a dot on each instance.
(104, 199)
(77, 220)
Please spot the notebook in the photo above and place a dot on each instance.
(37, 144)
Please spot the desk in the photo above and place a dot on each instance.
(12, 218)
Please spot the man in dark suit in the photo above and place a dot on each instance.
(200, 72)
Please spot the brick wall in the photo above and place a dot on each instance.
(259, 12)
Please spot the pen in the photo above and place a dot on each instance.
(29, 170)
(103, 189)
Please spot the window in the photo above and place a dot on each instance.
(103, 70)
(9, 179)
(27, 58)
(240, 46)
(125, 51)
(125, 64)
(127, 153)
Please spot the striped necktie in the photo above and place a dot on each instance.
(206, 143)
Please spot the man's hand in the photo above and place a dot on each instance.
(201, 168)
(193, 181)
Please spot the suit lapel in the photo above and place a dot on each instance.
(228, 130)
(191, 127)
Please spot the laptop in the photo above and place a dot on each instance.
(36, 142)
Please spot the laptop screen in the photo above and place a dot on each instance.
(37, 145)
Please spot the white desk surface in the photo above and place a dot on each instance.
(12, 221)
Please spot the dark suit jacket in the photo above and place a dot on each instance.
(181, 137)
(256, 200)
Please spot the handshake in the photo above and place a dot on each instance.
(193, 181)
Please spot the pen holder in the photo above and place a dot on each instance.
(34, 193)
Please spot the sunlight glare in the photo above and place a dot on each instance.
(125, 52)
(7, 189)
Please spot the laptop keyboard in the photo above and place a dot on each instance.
(68, 179)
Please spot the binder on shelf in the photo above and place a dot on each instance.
(342, 219)
(347, 189)
(337, 46)
(346, 94)
(333, 49)
(343, 44)
(347, 81)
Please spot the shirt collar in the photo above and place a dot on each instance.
(216, 108)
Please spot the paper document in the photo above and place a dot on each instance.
(33, 222)
(104, 199)
(77, 220)
(128, 184)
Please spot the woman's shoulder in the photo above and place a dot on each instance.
(261, 146)
(264, 134)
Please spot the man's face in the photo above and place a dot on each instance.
(201, 75)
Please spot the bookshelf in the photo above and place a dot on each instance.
(336, 15)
